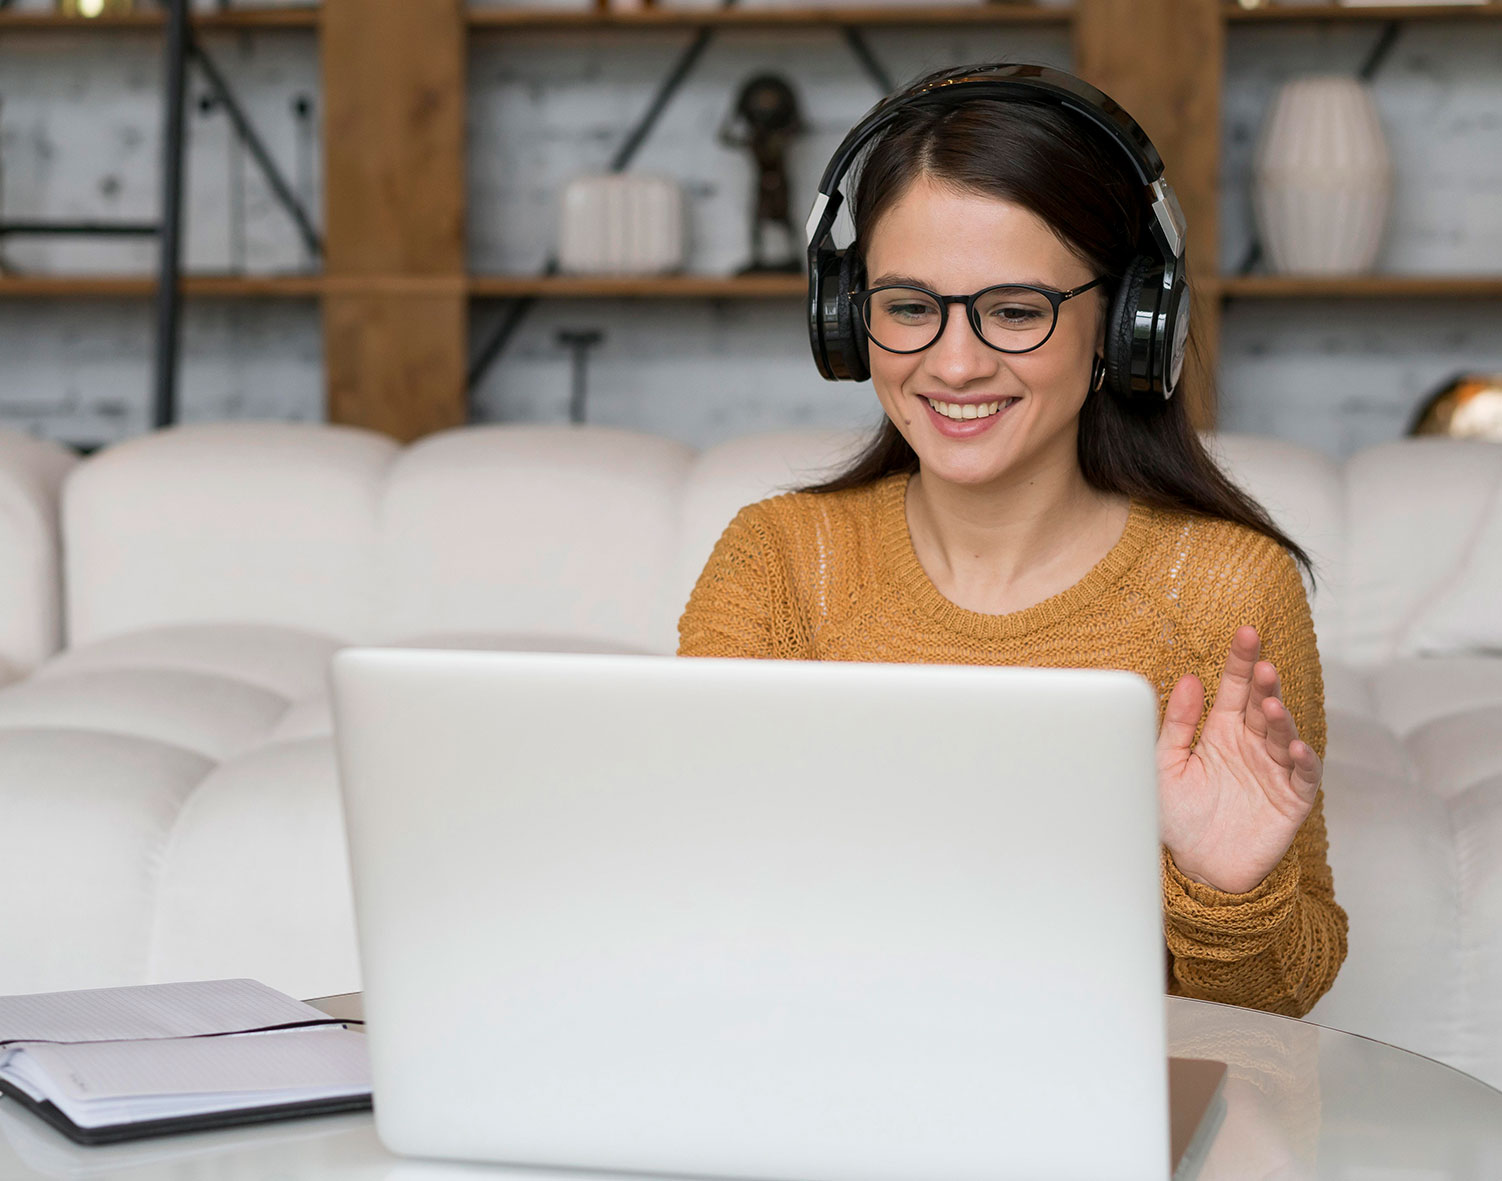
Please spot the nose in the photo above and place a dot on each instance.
(959, 357)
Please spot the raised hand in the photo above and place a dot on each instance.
(1229, 807)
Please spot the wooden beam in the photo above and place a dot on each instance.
(1163, 60)
(396, 363)
(395, 351)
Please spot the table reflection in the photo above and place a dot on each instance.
(1272, 1090)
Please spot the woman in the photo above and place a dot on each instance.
(1016, 508)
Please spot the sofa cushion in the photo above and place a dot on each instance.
(100, 753)
(213, 716)
(254, 879)
(31, 477)
(87, 818)
(1416, 511)
(1413, 803)
(1466, 615)
(284, 661)
(270, 523)
(480, 528)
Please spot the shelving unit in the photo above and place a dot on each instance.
(395, 294)
(1359, 287)
(1295, 14)
(236, 19)
(765, 18)
(142, 287)
(657, 287)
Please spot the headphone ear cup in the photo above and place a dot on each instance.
(1121, 327)
(834, 327)
(852, 328)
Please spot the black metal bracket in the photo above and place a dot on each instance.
(169, 264)
(123, 229)
(579, 342)
(280, 188)
(859, 46)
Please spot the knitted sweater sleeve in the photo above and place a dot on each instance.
(1278, 946)
(730, 612)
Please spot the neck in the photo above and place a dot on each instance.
(990, 542)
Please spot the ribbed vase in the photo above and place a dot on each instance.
(1323, 178)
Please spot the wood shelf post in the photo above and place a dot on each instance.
(1164, 60)
(395, 309)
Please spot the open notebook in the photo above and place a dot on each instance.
(112, 1064)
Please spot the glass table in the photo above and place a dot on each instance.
(1302, 1101)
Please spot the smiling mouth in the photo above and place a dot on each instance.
(970, 409)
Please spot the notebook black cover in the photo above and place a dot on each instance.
(140, 1129)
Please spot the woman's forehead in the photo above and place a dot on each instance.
(940, 233)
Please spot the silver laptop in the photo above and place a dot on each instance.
(803, 921)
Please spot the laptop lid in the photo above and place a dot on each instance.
(798, 920)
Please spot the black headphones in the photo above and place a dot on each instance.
(1149, 318)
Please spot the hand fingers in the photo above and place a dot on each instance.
(1181, 715)
(1308, 771)
(1265, 685)
(1236, 681)
(1289, 751)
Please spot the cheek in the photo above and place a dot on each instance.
(888, 372)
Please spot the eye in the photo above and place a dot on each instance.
(1013, 309)
(905, 306)
(1015, 314)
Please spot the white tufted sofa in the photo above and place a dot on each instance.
(168, 800)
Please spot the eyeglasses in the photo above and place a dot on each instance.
(1011, 318)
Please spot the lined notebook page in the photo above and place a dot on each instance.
(149, 1011)
(288, 1061)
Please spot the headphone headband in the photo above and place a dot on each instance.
(1024, 82)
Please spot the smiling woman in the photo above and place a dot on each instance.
(1037, 496)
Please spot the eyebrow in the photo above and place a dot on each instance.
(890, 280)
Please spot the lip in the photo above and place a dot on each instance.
(965, 428)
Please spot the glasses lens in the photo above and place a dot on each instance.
(1014, 318)
(903, 319)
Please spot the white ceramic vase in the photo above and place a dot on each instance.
(1323, 178)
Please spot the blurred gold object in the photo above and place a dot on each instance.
(92, 8)
(1468, 406)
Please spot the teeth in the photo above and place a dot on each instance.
(969, 410)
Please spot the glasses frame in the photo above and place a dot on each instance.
(862, 299)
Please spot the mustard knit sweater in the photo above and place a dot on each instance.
(833, 576)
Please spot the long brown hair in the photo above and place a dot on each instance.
(1054, 164)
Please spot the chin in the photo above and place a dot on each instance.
(960, 465)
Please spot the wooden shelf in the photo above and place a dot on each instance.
(51, 22)
(141, 286)
(1385, 12)
(652, 287)
(775, 18)
(1359, 287)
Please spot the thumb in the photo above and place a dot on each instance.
(1180, 717)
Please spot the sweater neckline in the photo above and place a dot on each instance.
(902, 561)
